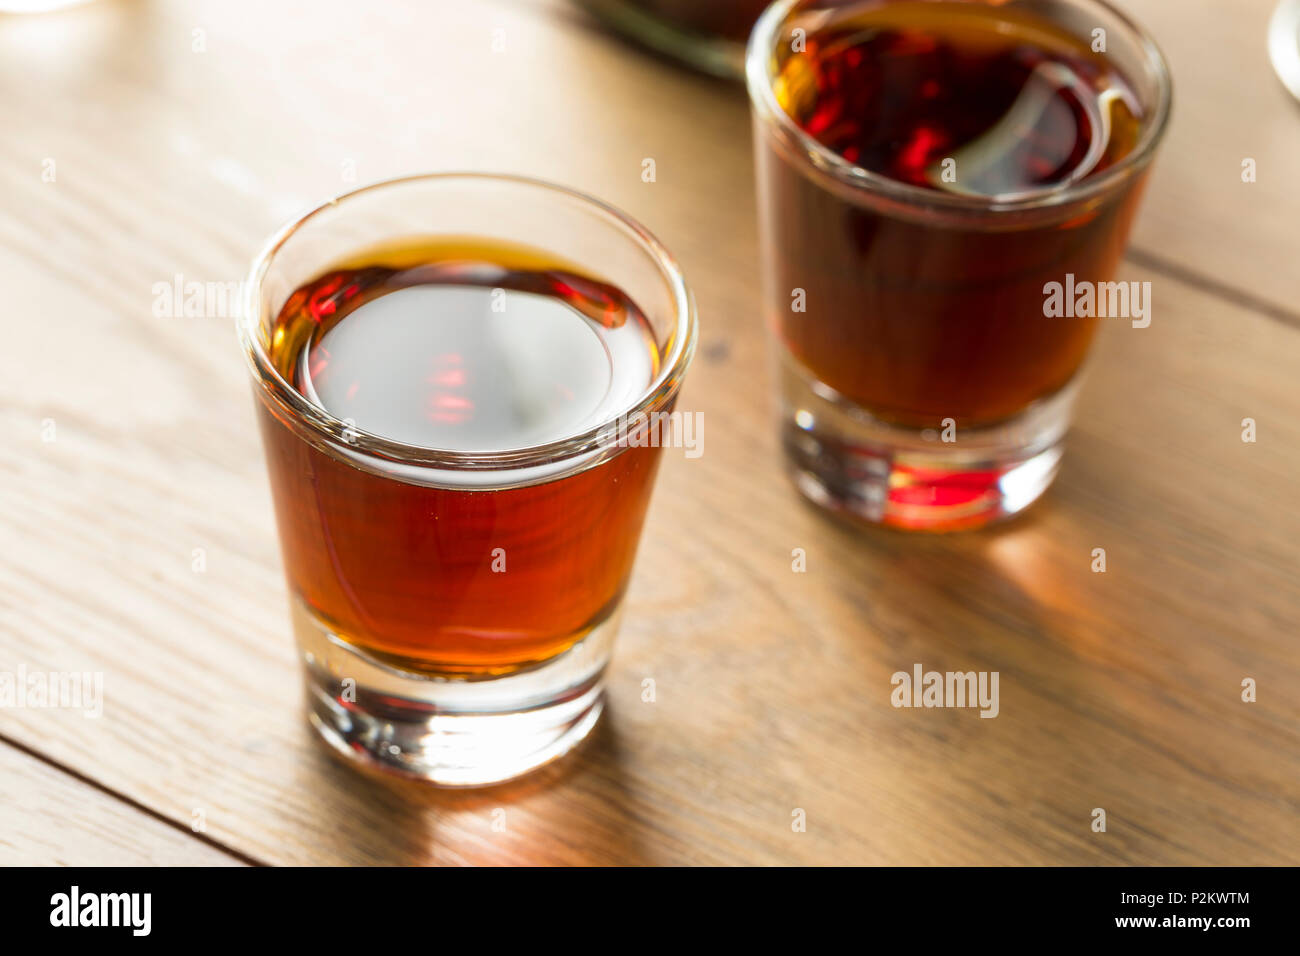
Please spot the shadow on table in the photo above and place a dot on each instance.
(555, 815)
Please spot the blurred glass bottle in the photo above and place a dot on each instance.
(708, 35)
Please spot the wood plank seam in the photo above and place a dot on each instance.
(131, 802)
(1211, 286)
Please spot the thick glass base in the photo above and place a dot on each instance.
(450, 731)
(848, 461)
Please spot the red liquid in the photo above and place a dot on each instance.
(921, 318)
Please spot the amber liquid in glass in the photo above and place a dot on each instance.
(917, 319)
(460, 345)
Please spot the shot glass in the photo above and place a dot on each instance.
(454, 462)
(924, 381)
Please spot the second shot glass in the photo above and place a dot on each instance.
(927, 171)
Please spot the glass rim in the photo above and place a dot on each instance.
(826, 161)
(680, 346)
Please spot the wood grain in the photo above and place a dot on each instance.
(52, 818)
(1119, 690)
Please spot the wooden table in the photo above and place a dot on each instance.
(136, 534)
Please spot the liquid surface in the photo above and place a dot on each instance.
(465, 347)
(959, 97)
